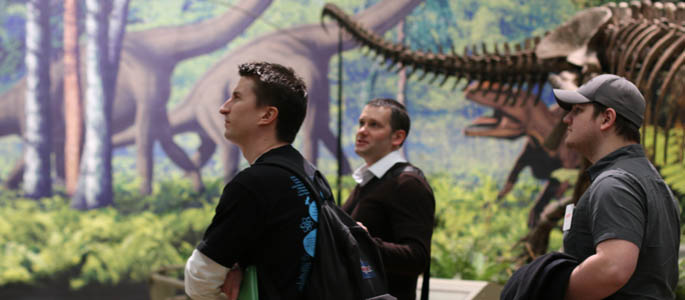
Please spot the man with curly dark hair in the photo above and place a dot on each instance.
(265, 217)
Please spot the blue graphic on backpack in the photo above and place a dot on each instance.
(347, 264)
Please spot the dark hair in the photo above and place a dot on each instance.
(624, 128)
(399, 118)
(279, 86)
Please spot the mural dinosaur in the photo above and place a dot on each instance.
(534, 120)
(148, 59)
(642, 41)
(306, 48)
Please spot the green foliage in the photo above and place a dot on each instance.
(670, 161)
(44, 240)
(680, 288)
(475, 236)
(11, 152)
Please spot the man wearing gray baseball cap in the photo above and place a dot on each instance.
(625, 228)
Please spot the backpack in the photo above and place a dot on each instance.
(347, 263)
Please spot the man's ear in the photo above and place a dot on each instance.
(608, 119)
(398, 137)
(269, 115)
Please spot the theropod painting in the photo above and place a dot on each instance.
(143, 87)
(534, 120)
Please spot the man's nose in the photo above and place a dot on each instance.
(225, 108)
(567, 118)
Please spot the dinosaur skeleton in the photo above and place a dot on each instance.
(642, 41)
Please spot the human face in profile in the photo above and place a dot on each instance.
(583, 129)
(241, 112)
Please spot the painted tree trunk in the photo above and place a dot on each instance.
(95, 181)
(117, 28)
(37, 181)
(73, 109)
(166, 46)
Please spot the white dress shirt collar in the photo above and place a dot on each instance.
(364, 174)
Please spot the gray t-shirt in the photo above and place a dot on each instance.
(628, 200)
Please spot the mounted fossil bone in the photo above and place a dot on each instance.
(642, 41)
(143, 86)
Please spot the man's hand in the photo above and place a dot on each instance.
(231, 285)
(362, 226)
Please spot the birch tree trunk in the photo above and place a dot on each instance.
(37, 181)
(102, 55)
(73, 108)
(95, 181)
(115, 36)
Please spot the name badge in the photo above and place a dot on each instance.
(568, 217)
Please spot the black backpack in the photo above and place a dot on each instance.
(347, 263)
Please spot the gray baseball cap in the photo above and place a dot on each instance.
(611, 91)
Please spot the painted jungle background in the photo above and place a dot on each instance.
(112, 155)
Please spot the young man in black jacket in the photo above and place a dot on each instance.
(266, 216)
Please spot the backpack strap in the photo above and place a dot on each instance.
(425, 285)
(310, 176)
(408, 168)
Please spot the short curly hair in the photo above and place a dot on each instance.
(277, 85)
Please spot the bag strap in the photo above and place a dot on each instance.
(408, 168)
(425, 285)
(307, 173)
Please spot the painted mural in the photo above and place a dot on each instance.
(112, 154)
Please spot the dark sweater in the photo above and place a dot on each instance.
(398, 210)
